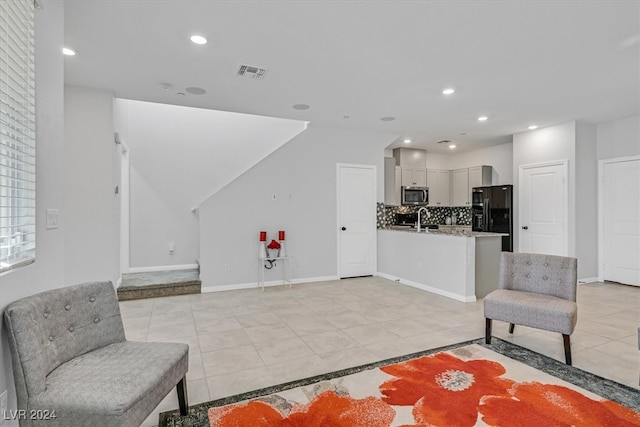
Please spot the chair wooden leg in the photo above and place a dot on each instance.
(183, 399)
(511, 326)
(567, 348)
(487, 331)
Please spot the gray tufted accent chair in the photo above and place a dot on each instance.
(535, 290)
(70, 357)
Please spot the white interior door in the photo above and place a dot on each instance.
(620, 199)
(543, 208)
(356, 220)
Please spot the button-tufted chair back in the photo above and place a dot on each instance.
(540, 273)
(53, 327)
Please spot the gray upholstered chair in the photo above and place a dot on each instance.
(535, 290)
(70, 357)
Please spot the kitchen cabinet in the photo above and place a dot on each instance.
(465, 179)
(414, 177)
(438, 182)
(392, 182)
(410, 158)
(414, 166)
(461, 196)
(480, 176)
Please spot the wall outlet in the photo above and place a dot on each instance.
(227, 268)
(3, 406)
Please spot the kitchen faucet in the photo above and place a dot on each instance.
(419, 211)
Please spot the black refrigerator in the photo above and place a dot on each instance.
(492, 211)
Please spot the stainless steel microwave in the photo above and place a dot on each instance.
(415, 196)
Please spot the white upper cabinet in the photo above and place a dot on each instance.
(480, 176)
(410, 158)
(413, 163)
(438, 182)
(461, 187)
(414, 177)
(464, 180)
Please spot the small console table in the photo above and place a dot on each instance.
(286, 269)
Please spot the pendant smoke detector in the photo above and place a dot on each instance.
(251, 71)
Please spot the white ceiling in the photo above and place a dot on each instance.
(518, 62)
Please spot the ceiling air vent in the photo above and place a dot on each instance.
(251, 71)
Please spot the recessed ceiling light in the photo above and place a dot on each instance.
(68, 52)
(407, 141)
(198, 39)
(448, 91)
(452, 146)
(388, 119)
(532, 127)
(196, 90)
(482, 118)
(301, 107)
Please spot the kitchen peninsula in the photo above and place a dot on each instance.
(458, 264)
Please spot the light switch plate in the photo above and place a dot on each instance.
(53, 216)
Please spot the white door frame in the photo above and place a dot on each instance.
(601, 164)
(124, 209)
(565, 171)
(374, 222)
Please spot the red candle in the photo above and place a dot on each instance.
(280, 235)
(263, 236)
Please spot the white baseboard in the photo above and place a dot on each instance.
(162, 268)
(119, 282)
(427, 288)
(588, 280)
(254, 285)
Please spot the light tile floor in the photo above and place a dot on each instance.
(246, 339)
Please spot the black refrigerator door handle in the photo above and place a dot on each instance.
(485, 212)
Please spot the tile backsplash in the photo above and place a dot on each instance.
(386, 215)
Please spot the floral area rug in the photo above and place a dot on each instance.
(470, 384)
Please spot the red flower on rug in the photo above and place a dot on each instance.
(328, 409)
(536, 404)
(444, 390)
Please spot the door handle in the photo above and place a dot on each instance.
(344, 228)
(524, 227)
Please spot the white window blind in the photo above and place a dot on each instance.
(17, 134)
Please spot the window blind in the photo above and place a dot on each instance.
(17, 134)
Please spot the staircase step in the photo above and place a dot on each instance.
(159, 290)
(159, 284)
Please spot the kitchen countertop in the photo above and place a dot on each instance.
(457, 231)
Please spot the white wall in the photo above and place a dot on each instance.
(575, 142)
(180, 156)
(92, 235)
(586, 200)
(48, 270)
(618, 138)
(498, 156)
(544, 145)
(302, 175)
